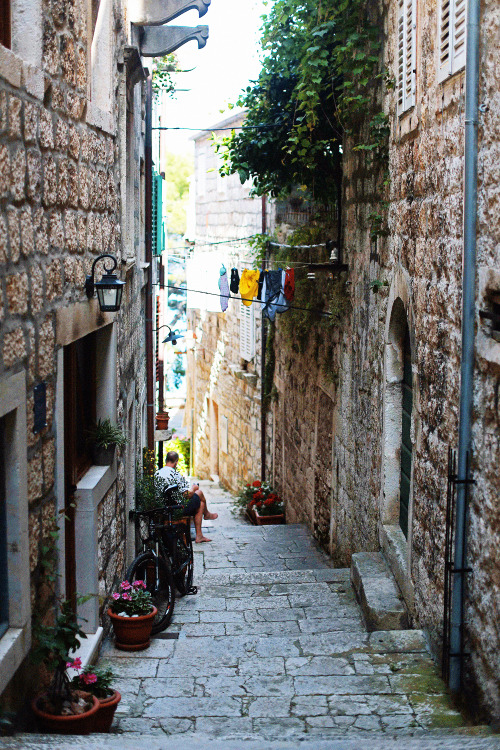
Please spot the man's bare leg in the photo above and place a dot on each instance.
(206, 513)
(197, 525)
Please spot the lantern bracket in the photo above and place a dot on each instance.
(89, 280)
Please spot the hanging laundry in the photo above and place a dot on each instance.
(224, 288)
(273, 284)
(282, 303)
(261, 284)
(289, 288)
(249, 285)
(235, 281)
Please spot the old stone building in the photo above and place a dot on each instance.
(359, 448)
(72, 188)
(366, 452)
(223, 408)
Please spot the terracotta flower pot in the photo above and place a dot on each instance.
(106, 711)
(251, 513)
(162, 420)
(77, 724)
(268, 520)
(132, 633)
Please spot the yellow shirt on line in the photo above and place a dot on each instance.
(249, 285)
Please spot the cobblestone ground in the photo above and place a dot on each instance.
(272, 652)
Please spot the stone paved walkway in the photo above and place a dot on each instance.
(274, 646)
(272, 653)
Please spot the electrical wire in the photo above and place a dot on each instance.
(323, 313)
(197, 243)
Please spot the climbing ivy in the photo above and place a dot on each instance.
(163, 69)
(320, 81)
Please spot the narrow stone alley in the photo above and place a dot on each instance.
(272, 652)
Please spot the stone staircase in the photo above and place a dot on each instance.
(377, 593)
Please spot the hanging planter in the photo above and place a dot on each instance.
(162, 419)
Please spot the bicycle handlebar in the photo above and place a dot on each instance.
(165, 509)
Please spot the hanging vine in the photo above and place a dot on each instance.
(320, 82)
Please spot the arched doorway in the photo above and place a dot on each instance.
(406, 441)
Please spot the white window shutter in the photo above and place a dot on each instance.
(247, 332)
(459, 34)
(406, 54)
(452, 37)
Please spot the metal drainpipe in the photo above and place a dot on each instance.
(148, 220)
(468, 320)
(263, 368)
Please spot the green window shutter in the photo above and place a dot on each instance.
(157, 240)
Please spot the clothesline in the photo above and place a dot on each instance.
(324, 313)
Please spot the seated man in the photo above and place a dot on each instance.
(196, 504)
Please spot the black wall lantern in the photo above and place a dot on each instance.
(109, 289)
(172, 335)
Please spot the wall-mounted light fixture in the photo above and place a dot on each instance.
(109, 289)
(172, 335)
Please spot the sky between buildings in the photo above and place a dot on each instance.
(224, 67)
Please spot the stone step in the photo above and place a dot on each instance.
(458, 740)
(377, 592)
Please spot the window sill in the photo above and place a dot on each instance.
(408, 123)
(14, 647)
(92, 487)
(21, 74)
(99, 118)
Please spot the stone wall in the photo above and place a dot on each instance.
(59, 209)
(335, 451)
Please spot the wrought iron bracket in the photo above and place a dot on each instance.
(90, 279)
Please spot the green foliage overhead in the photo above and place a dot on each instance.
(163, 68)
(178, 171)
(318, 82)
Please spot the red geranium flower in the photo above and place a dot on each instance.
(258, 495)
(256, 483)
(269, 501)
(258, 505)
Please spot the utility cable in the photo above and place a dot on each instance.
(324, 313)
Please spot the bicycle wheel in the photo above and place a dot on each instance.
(183, 565)
(159, 583)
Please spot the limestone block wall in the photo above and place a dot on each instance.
(59, 209)
(340, 446)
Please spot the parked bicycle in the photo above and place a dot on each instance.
(166, 560)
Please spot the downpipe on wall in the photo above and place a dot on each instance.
(467, 360)
(148, 222)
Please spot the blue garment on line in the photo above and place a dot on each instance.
(224, 289)
(271, 292)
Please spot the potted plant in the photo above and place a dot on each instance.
(104, 437)
(97, 681)
(62, 708)
(162, 419)
(132, 613)
(262, 505)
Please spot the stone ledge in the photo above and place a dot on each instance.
(377, 592)
(395, 549)
(14, 645)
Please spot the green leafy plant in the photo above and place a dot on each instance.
(182, 446)
(105, 434)
(54, 643)
(163, 70)
(150, 492)
(132, 600)
(377, 285)
(320, 82)
(92, 679)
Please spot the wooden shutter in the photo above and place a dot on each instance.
(247, 331)
(406, 54)
(452, 37)
(157, 209)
